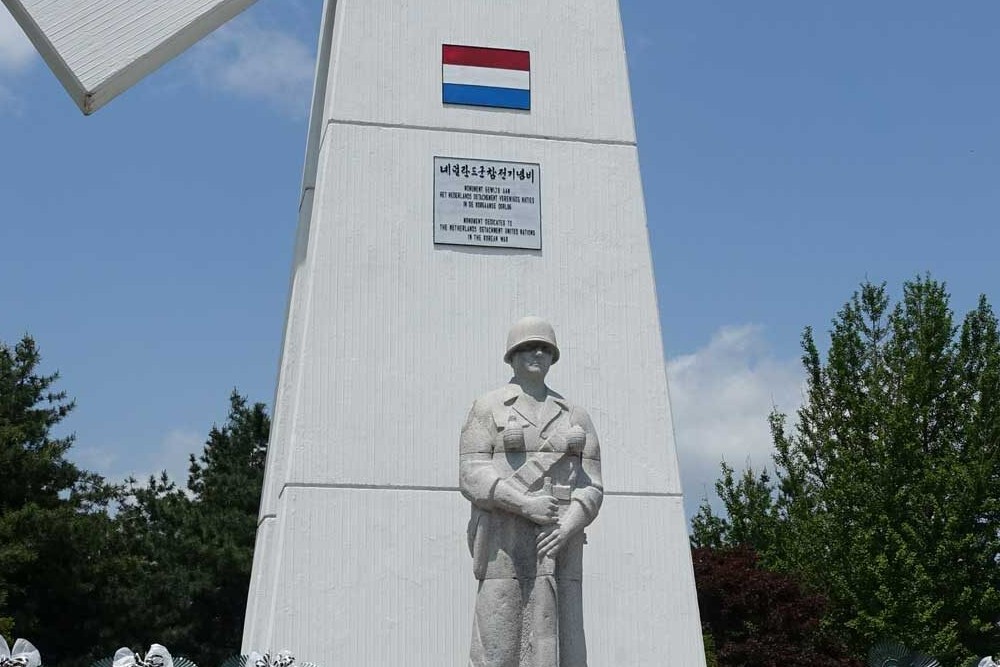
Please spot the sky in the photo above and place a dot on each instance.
(789, 151)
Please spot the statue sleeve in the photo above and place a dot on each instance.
(476, 474)
(589, 491)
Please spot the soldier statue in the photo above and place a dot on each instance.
(530, 464)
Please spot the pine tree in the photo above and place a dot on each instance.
(52, 519)
(190, 552)
(169, 564)
(886, 493)
(34, 466)
(226, 483)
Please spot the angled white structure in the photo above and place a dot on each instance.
(361, 554)
(99, 48)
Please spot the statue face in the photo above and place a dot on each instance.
(532, 360)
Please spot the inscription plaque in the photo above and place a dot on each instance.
(487, 203)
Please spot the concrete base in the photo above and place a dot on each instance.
(398, 588)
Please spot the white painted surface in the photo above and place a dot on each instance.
(261, 585)
(401, 335)
(361, 556)
(396, 588)
(486, 76)
(99, 48)
(387, 64)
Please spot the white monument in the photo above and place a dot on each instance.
(468, 163)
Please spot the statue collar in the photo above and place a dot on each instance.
(554, 404)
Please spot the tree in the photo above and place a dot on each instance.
(86, 567)
(886, 492)
(189, 554)
(34, 466)
(51, 513)
(159, 573)
(758, 618)
(226, 483)
(6, 622)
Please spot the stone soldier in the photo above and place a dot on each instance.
(530, 464)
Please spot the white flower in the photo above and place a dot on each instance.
(156, 656)
(24, 654)
(282, 659)
(124, 657)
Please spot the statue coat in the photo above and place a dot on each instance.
(528, 609)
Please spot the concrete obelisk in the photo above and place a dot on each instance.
(469, 163)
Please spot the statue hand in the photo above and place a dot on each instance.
(550, 541)
(542, 510)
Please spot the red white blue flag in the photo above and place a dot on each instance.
(483, 77)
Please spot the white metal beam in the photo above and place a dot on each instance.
(100, 48)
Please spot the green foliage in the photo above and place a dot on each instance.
(226, 483)
(711, 655)
(6, 622)
(749, 519)
(192, 551)
(886, 496)
(33, 464)
(51, 513)
(152, 600)
(86, 568)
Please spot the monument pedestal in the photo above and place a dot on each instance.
(397, 588)
(361, 553)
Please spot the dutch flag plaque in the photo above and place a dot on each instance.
(485, 77)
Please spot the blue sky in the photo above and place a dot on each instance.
(789, 151)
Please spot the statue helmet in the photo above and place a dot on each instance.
(531, 329)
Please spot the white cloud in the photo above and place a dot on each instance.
(97, 459)
(721, 396)
(117, 463)
(259, 63)
(174, 453)
(16, 52)
(9, 102)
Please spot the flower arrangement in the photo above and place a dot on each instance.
(23, 655)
